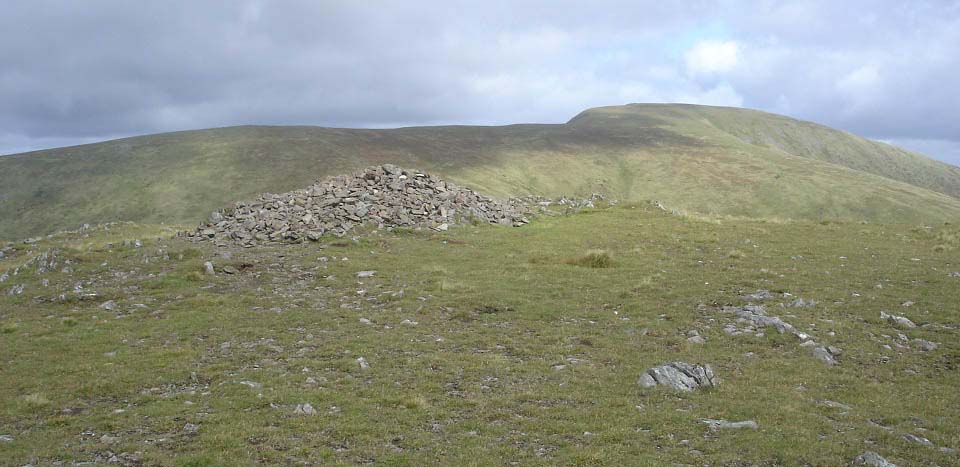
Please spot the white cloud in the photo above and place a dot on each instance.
(708, 57)
(722, 94)
(861, 84)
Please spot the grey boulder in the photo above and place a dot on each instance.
(825, 355)
(872, 459)
(897, 320)
(678, 375)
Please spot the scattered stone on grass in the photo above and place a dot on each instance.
(109, 305)
(365, 274)
(759, 296)
(696, 340)
(6, 439)
(304, 409)
(897, 320)
(678, 375)
(872, 459)
(918, 439)
(925, 345)
(363, 363)
(230, 270)
(799, 302)
(208, 268)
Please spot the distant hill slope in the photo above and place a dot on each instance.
(704, 159)
(792, 137)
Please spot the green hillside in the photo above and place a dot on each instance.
(703, 159)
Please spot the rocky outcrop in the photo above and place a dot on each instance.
(383, 196)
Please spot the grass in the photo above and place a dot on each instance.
(703, 160)
(480, 353)
(593, 259)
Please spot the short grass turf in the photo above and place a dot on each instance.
(485, 345)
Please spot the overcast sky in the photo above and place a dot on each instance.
(73, 72)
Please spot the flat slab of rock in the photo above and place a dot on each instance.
(758, 316)
(758, 296)
(834, 405)
(725, 425)
(918, 439)
(678, 375)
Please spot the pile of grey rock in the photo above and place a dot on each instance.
(384, 196)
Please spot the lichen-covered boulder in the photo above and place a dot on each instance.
(678, 375)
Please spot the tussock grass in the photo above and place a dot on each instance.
(36, 400)
(593, 259)
(736, 254)
(597, 259)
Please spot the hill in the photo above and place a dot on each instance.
(709, 160)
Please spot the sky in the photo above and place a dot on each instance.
(78, 72)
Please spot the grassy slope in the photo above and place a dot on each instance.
(690, 157)
(793, 137)
(474, 383)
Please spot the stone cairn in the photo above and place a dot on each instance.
(384, 196)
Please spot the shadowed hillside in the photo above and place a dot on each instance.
(705, 159)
